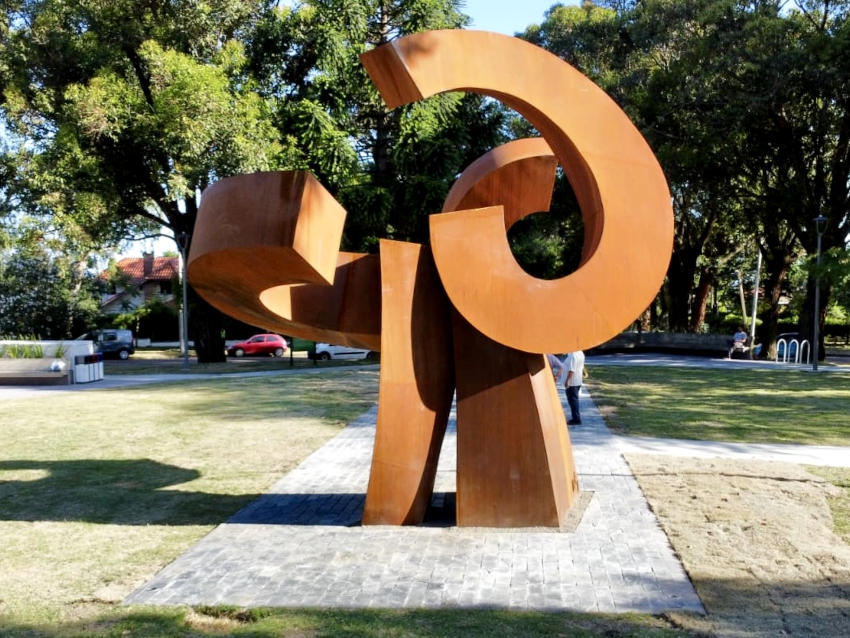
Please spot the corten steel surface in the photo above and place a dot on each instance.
(515, 463)
(618, 183)
(519, 176)
(514, 459)
(417, 384)
(266, 251)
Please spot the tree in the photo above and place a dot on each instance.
(745, 104)
(129, 110)
(43, 292)
(644, 57)
(389, 169)
(798, 119)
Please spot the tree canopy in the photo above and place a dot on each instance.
(747, 107)
(117, 114)
(127, 111)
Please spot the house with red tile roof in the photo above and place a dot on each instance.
(148, 277)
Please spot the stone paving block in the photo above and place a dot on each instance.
(301, 544)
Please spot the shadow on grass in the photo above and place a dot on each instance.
(266, 623)
(126, 492)
(757, 406)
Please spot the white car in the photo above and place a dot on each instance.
(325, 351)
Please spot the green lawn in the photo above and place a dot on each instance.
(181, 622)
(734, 404)
(101, 489)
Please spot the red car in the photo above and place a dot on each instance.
(265, 344)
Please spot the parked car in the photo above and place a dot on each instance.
(265, 344)
(112, 342)
(326, 351)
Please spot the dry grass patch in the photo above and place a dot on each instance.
(758, 541)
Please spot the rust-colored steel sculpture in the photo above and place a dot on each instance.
(417, 383)
(512, 442)
(618, 183)
(462, 313)
(266, 251)
(519, 176)
(514, 460)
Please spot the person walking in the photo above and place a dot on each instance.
(559, 371)
(574, 365)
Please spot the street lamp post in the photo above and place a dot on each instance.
(820, 227)
(183, 243)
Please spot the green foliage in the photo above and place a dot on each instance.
(550, 245)
(153, 320)
(21, 350)
(744, 105)
(42, 292)
(60, 350)
(389, 169)
(129, 110)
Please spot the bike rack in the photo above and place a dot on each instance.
(804, 347)
(799, 348)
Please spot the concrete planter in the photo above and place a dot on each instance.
(49, 369)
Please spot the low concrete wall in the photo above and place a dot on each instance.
(32, 372)
(37, 370)
(667, 342)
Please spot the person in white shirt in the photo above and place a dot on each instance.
(574, 365)
(559, 370)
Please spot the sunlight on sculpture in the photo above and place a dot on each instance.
(515, 465)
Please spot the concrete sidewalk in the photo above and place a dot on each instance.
(833, 364)
(302, 545)
(826, 455)
(132, 380)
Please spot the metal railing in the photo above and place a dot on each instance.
(798, 348)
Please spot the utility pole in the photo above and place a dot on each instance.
(182, 240)
(820, 227)
(755, 303)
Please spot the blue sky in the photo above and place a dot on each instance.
(508, 16)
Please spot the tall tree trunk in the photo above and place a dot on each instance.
(776, 270)
(680, 282)
(207, 330)
(206, 324)
(807, 314)
(700, 300)
(835, 237)
(78, 273)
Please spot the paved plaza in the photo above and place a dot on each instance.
(302, 545)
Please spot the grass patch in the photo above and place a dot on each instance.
(265, 623)
(735, 404)
(100, 489)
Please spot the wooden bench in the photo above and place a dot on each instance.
(32, 372)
